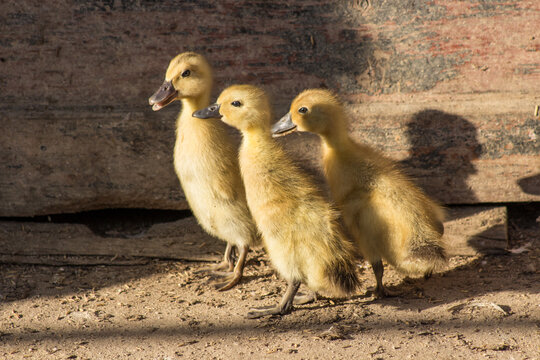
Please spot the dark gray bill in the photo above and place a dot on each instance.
(163, 96)
(209, 112)
(284, 126)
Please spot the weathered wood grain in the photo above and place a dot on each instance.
(469, 231)
(95, 160)
(182, 239)
(447, 87)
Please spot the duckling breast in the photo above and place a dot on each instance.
(205, 160)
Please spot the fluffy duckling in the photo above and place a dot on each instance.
(298, 226)
(206, 162)
(388, 216)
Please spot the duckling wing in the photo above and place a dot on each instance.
(439, 227)
(230, 191)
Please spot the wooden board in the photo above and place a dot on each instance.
(449, 88)
(93, 161)
(182, 239)
(468, 231)
(67, 164)
(476, 230)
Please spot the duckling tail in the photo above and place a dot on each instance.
(423, 259)
(344, 278)
(429, 252)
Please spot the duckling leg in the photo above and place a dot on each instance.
(235, 276)
(378, 270)
(301, 299)
(227, 264)
(284, 307)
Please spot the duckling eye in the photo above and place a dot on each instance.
(236, 103)
(303, 110)
(186, 73)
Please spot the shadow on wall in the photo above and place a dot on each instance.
(530, 185)
(326, 42)
(315, 44)
(443, 144)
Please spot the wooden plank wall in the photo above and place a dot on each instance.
(447, 87)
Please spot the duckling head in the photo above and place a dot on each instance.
(315, 110)
(244, 107)
(188, 76)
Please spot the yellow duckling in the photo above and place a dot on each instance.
(206, 162)
(298, 226)
(388, 216)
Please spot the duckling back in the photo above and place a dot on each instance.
(390, 217)
(417, 225)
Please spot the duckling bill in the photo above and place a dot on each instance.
(284, 126)
(165, 95)
(298, 226)
(209, 112)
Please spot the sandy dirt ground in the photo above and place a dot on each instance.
(480, 307)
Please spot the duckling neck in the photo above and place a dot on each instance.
(337, 141)
(190, 105)
(259, 136)
(197, 129)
